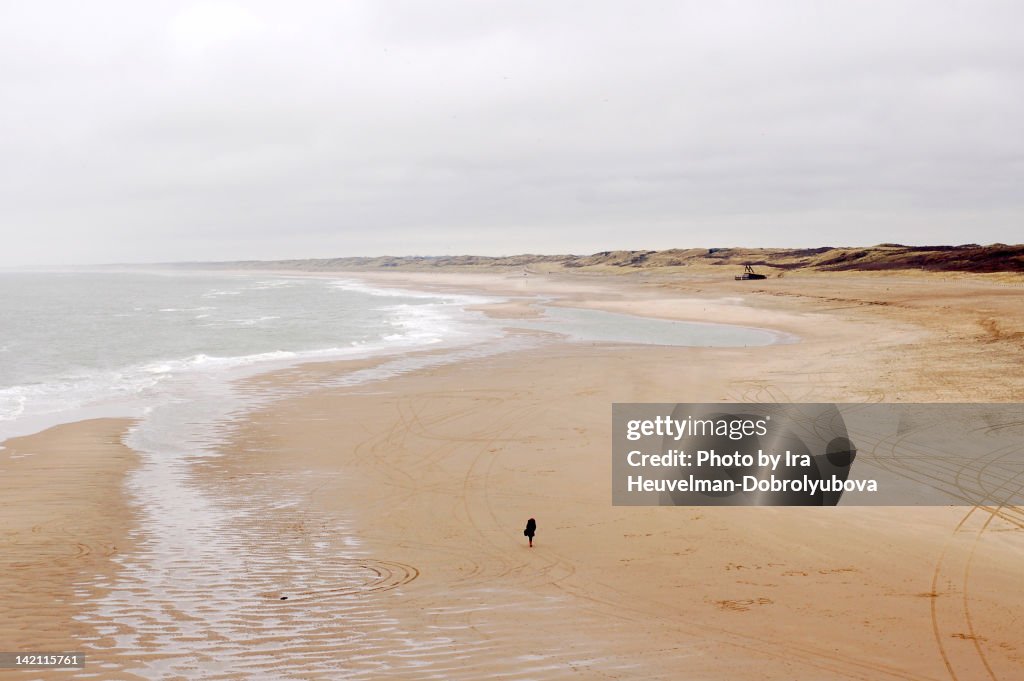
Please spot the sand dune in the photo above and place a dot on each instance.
(775, 261)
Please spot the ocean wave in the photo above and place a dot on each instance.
(272, 283)
(12, 403)
(70, 393)
(441, 298)
(416, 319)
(204, 361)
(146, 381)
(423, 323)
(250, 321)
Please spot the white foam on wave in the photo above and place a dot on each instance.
(442, 298)
(202, 308)
(12, 403)
(272, 283)
(422, 323)
(252, 321)
(68, 394)
(127, 390)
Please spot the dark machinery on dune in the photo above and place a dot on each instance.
(749, 273)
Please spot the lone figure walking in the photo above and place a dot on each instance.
(531, 529)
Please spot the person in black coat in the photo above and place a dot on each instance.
(531, 529)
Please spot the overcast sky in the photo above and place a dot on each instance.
(151, 131)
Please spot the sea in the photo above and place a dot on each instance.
(84, 344)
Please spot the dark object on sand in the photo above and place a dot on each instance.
(531, 529)
(284, 598)
(749, 273)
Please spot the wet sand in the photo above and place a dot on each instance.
(389, 515)
(65, 519)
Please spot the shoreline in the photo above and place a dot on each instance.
(402, 499)
(508, 306)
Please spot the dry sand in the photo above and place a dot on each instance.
(414, 491)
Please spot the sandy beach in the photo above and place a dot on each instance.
(476, 341)
(65, 517)
(378, 526)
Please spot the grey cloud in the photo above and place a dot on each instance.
(221, 130)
